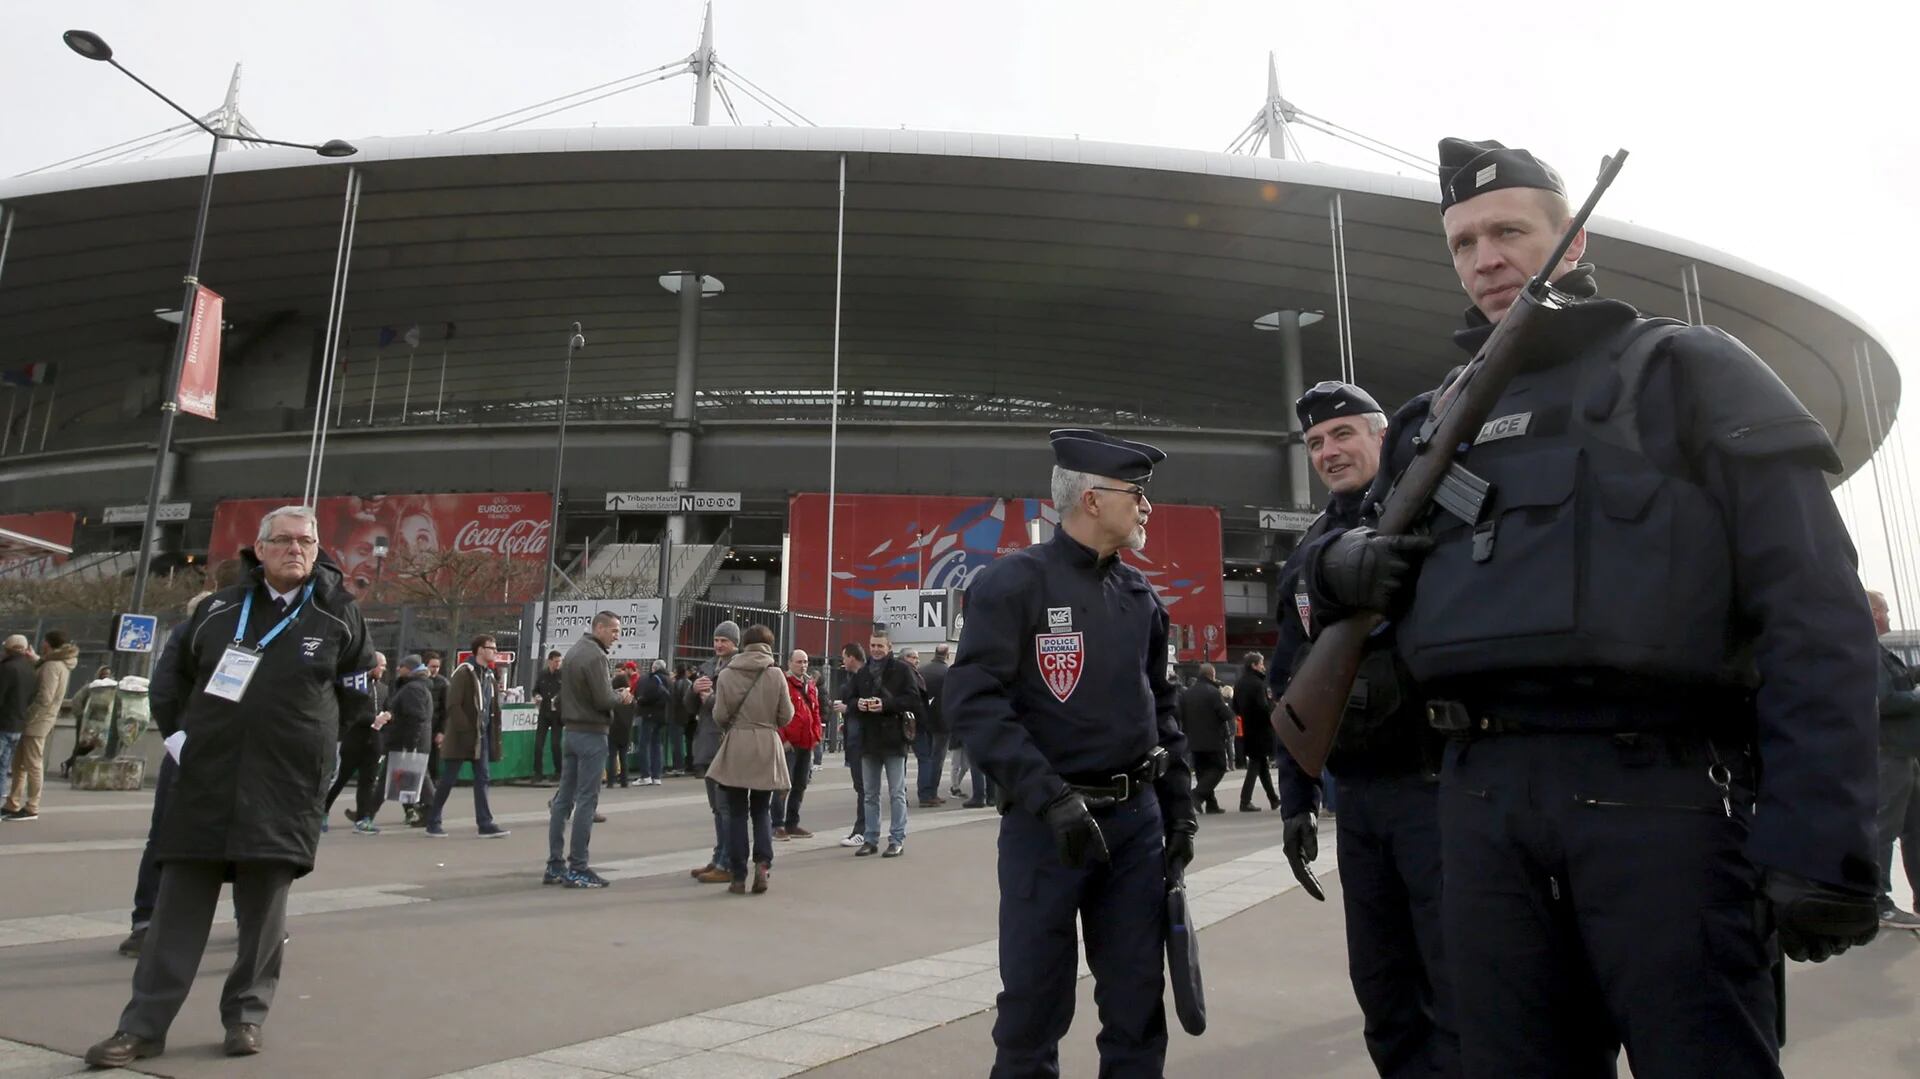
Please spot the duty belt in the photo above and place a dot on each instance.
(1124, 784)
(1575, 714)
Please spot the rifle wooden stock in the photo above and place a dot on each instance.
(1307, 719)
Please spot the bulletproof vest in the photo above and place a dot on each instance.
(1586, 555)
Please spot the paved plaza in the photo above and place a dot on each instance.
(413, 957)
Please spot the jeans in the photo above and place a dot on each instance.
(859, 798)
(1899, 818)
(742, 804)
(957, 753)
(652, 750)
(583, 757)
(786, 804)
(450, 775)
(930, 750)
(722, 814)
(895, 770)
(7, 742)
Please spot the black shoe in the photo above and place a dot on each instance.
(130, 947)
(586, 878)
(866, 849)
(1249, 807)
(243, 1040)
(19, 815)
(554, 876)
(895, 850)
(123, 1049)
(973, 805)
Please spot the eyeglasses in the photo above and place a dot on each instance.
(1139, 493)
(307, 543)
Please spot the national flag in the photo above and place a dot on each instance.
(449, 336)
(32, 374)
(387, 336)
(412, 336)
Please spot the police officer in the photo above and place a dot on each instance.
(1060, 695)
(1386, 760)
(1655, 659)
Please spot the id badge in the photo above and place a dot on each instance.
(234, 671)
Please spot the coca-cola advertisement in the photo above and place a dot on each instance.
(907, 541)
(464, 548)
(23, 559)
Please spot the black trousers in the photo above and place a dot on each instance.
(177, 940)
(546, 735)
(1596, 895)
(146, 885)
(1257, 769)
(1389, 842)
(360, 750)
(1208, 768)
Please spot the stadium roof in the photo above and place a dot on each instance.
(986, 276)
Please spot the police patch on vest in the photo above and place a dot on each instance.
(1062, 656)
(1504, 427)
(1305, 606)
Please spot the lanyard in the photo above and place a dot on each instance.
(246, 608)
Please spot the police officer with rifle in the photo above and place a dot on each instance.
(1387, 761)
(1638, 620)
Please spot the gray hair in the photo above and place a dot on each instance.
(909, 652)
(1376, 422)
(659, 665)
(1068, 486)
(304, 512)
(379, 659)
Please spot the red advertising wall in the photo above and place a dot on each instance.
(54, 526)
(908, 541)
(512, 525)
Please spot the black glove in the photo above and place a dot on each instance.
(1817, 921)
(1363, 570)
(1180, 833)
(1300, 840)
(1075, 833)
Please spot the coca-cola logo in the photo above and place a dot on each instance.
(521, 539)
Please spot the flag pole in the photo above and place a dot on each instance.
(53, 394)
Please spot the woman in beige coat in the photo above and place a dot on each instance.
(750, 705)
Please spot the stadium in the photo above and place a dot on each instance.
(918, 339)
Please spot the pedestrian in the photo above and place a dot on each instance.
(651, 697)
(1060, 692)
(587, 699)
(1653, 657)
(1207, 721)
(17, 683)
(471, 737)
(620, 731)
(362, 744)
(800, 736)
(1899, 816)
(886, 698)
(698, 701)
(853, 658)
(751, 706)
(547, 727)
(264, 671)
(410, 730)
(51, 672)
(1387, 760)
(1251, 706)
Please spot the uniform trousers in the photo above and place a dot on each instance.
(1596, 895)
(1389, 843)
(1121, 907)
(177, 940)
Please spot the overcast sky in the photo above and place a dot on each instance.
(1776, 133)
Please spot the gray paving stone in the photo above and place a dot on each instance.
(697, 1032)
(795, 1047)
(615, 1054)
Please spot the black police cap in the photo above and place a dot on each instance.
(1470, 168)
(1329, 400)
(1078, 449)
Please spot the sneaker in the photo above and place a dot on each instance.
(586, 878)
(130, 947)
(1892, 917)
(799, 833)
(895, 850)
(854, 840)
(20, 814)
(492, 831)
(323, 826)
(365, 827)
(554, 875)
(436, 832)
(866, 848)
(123, 1049)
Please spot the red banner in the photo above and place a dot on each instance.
(422, 534)
(905, 541)
(200, 377)
(25, 559)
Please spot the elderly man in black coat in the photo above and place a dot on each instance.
(264, 668)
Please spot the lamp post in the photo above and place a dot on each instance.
(91, 46)
(559, 460)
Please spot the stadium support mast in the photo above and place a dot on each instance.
(1275, 116)
(702, 66)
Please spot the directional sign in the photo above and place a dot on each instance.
(639, 625)
(915, 615)
(1287, 520)
(137, 514)
(674, 501)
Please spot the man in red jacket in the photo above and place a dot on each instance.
(800, 735)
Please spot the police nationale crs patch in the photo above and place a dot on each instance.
(1062, 656)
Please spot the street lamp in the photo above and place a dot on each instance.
(559, 459)
(92, 46)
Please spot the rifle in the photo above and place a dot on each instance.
(1308, 715)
